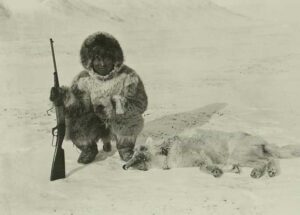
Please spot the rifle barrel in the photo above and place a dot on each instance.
(56, 82)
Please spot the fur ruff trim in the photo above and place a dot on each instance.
(111, 75)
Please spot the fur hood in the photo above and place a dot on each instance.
(100, 43)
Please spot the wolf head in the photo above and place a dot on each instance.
(147, 155)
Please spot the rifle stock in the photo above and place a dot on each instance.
(58, 164)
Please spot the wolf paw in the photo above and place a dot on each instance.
(236, 169)
(272, 169)
(272, 172)
(166, 168)
(257, 173)
(216, 172)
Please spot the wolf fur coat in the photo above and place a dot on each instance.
(104, 107)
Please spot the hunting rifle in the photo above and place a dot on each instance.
(58, 164)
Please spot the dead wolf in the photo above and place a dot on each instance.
(214, 152)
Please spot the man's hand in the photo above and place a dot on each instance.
(118, 102)
(56, 95)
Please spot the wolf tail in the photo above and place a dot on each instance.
(288, 151)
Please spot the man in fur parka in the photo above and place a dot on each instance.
(105, 101)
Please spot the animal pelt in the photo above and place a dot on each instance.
(83, 126)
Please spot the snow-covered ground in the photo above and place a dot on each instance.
(239, 66)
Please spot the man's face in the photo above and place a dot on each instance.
(103, 65)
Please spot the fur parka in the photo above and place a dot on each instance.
(91, 101)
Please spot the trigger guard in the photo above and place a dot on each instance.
(53, 130)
